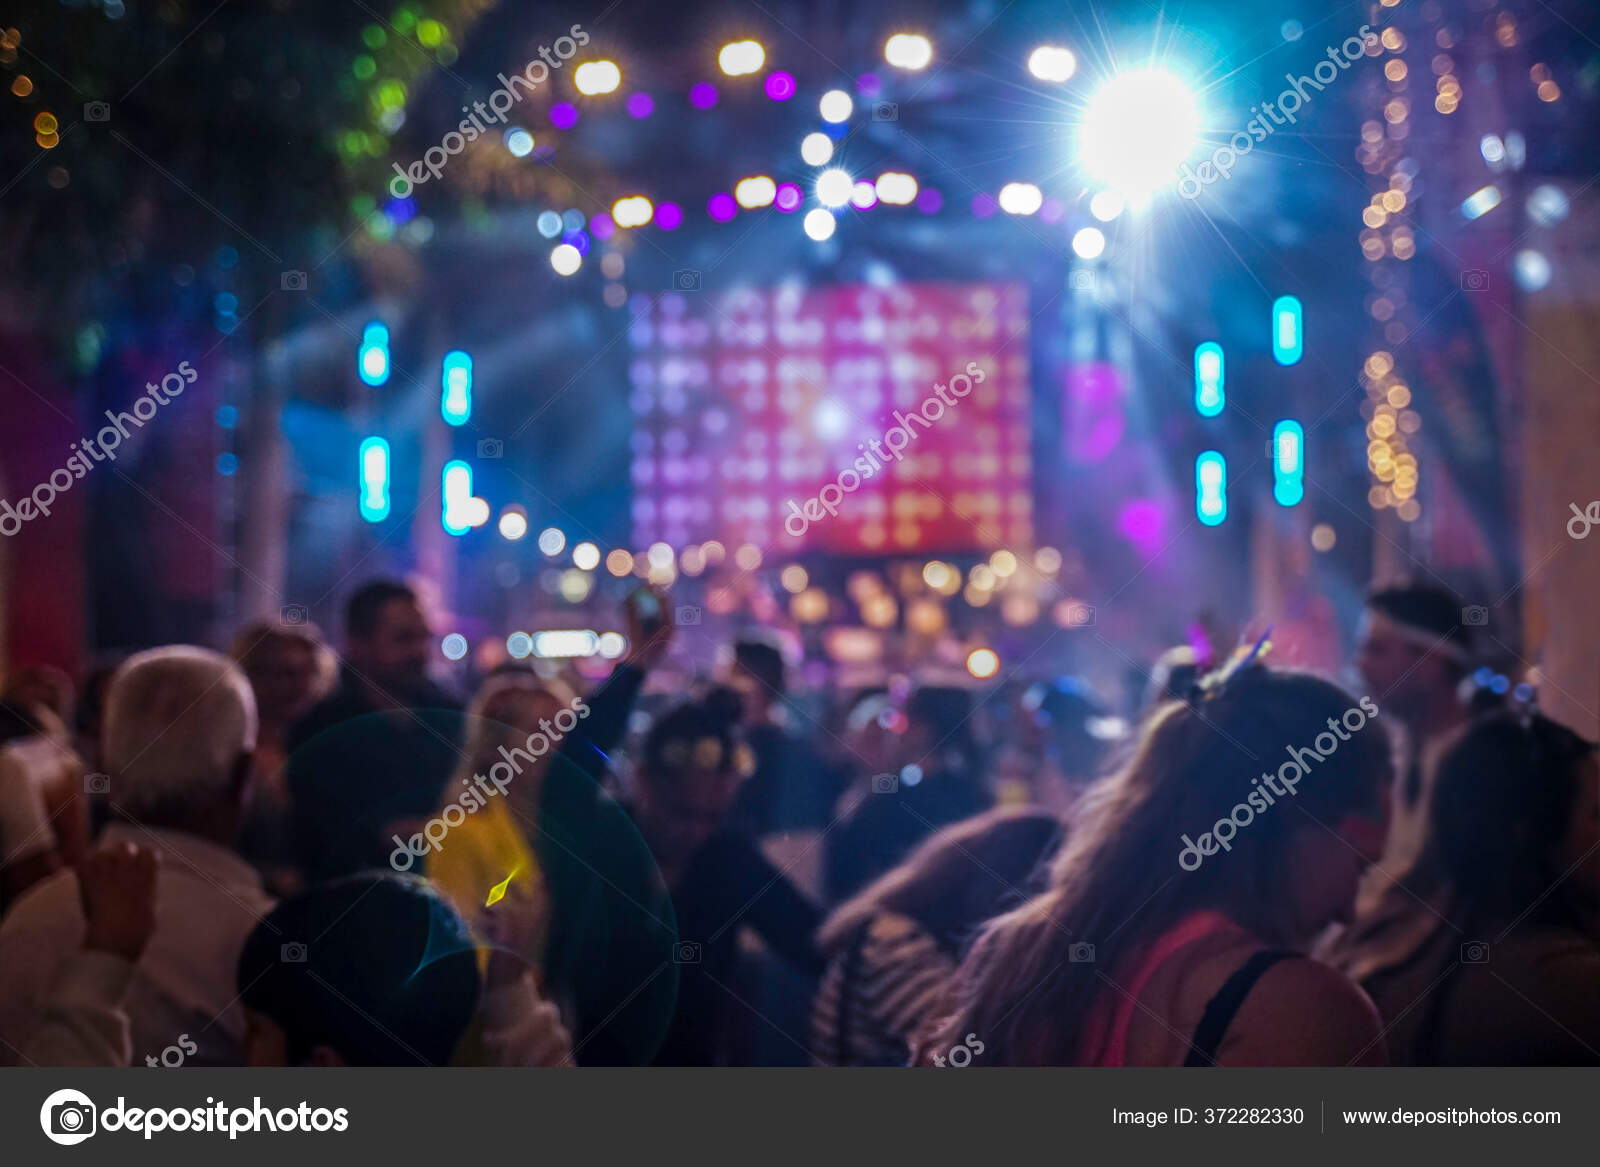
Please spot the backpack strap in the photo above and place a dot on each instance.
(1222, 1008)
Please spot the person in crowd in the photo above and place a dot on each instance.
(893, 948)
(379, 749)
(1504, 973)
(1129, 959)
(47, 690)
(289, 670)
(792, 789)
(692, 762)
(933, 781)
(379, 970)
(44, 819)
(1172, 678)
(1415, 650)
(574, 881)
(180, 725)
(84, 1021)
(1074, 733)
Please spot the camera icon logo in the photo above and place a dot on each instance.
(1081, 279)
(491, 448)
(1474, 952)
(886, 111)
(97, 784)
(292, 953)
(294, 614)
(885, 783)
(1081, 953)
(293, 281)
(1475, 615)
(688, 616)
(96, 111)
(68, 1117)
(686, 952)
(686, 280)
(1079, 615)
(1475, 280)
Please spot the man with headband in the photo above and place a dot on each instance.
(1415, 649)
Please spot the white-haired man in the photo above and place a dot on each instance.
(180, 725)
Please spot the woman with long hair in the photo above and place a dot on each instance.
(892, 948)
(1192, 880)
(548, 868)
(1503, 970)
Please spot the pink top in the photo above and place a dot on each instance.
(1109, 1034)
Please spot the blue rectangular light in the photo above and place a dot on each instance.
(374, 463)
(1211, 488)
(457, 489)
(1288, 463)
(372, 359)
(1288, 339)
(1209, 391)
(455, 399)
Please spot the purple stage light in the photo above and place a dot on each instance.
(703, 95)
(641, 105)
(578, 239)
(722, 207)
(602, 227)
(789, 198)
(669, 216)
(868, 85)
(929, 201)
(1053, 211)
(563, 115)
(983, 205)
(780, 86)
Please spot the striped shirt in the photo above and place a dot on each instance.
(879, 989)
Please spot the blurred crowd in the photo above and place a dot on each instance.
(290, 855)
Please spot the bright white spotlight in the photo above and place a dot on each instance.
(819, 224)
(897, 189)
(836, 106)
(519, 142)
(513, 525)
(552, 540)
(908, 50)
(595, 77)
(830, 418)
(1532, 270)
(633, 211)
(1052, 63)
(741, 58)
(863, 196)
(816, 149)
(834, 188)
(1138, 129)
(1089, 243)
(1020, 198)
(566, 259)
(586, 556)
(758, 191)
(1107, 205)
